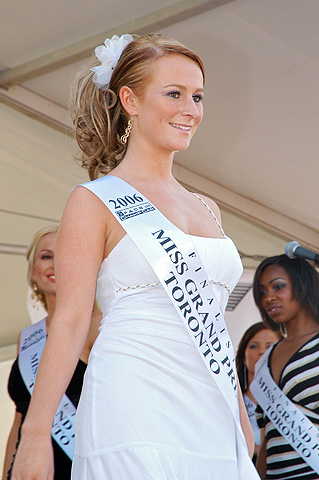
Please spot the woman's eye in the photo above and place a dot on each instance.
(198, 98)
(174, 94)
(278, 286)
(253, 346)
(46, 257)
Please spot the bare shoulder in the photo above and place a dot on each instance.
(84, 220)
(86, 208)
(83, 200)
(79, 251)
(212, 205)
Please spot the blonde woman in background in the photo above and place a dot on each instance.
(41, 278)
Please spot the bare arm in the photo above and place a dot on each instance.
(261, 459)
(11, 444)
(245, 424)
(79, 252)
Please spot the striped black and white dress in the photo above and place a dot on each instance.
(299, 381)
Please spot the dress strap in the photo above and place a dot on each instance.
(211, 211)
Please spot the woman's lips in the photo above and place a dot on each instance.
(182, 128)
(274, 310)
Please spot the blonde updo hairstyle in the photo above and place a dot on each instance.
(98, 115)
(37, 293)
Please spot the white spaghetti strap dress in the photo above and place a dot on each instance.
(149, 408)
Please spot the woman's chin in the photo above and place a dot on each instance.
(181, 146)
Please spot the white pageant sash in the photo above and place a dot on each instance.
(175, 261)
(287, 418)
(32, 343)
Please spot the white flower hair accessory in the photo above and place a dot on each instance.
(109, 54)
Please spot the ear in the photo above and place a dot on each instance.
(128, 100)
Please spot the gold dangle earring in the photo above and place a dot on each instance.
(37, 295)
(35, 289)
(34, 296)
(127, 131)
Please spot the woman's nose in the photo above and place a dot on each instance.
(191, 108)
(268, 297)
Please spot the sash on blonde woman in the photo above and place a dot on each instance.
(175, 261)
(286, 417)
(32, 343)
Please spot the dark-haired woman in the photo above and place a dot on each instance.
(253, 344)
(286, 292)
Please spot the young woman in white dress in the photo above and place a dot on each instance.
(150, 408)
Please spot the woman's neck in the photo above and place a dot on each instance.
(302, 326)
(146, 163)
(292, 336)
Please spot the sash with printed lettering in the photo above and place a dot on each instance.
(285, 415)
(32, 343)
(173, 257)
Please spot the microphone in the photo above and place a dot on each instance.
(293, 250)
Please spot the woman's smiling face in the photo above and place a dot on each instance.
(43, 264)
(170, 109)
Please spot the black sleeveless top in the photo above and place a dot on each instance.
(21, 397)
